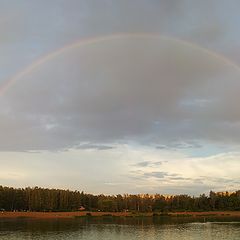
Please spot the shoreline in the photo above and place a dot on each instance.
(61, 215)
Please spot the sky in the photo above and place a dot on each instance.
(112, 96)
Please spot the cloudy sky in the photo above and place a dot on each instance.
(122, 96)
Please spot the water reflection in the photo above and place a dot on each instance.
(89, 228)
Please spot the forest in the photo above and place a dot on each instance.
(44, 199)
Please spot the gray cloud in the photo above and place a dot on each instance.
(94, 146)
(142, 164)
(92, 94)
(149, 163)
(180, 179)
(217, 180)
(159, 175)
(141, 175)
(180, 145)
(166, 94)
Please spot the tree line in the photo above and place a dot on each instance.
(44, 199)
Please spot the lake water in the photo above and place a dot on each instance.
(121, 229)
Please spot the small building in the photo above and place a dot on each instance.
(81, 208)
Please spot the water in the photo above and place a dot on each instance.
(120, 229)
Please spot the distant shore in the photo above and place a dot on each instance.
(57, 215)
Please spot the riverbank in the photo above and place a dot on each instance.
(50, 215)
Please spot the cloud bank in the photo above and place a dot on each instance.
(148, 90)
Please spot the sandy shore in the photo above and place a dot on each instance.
(117, 214)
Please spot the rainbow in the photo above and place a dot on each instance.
(88, 41)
